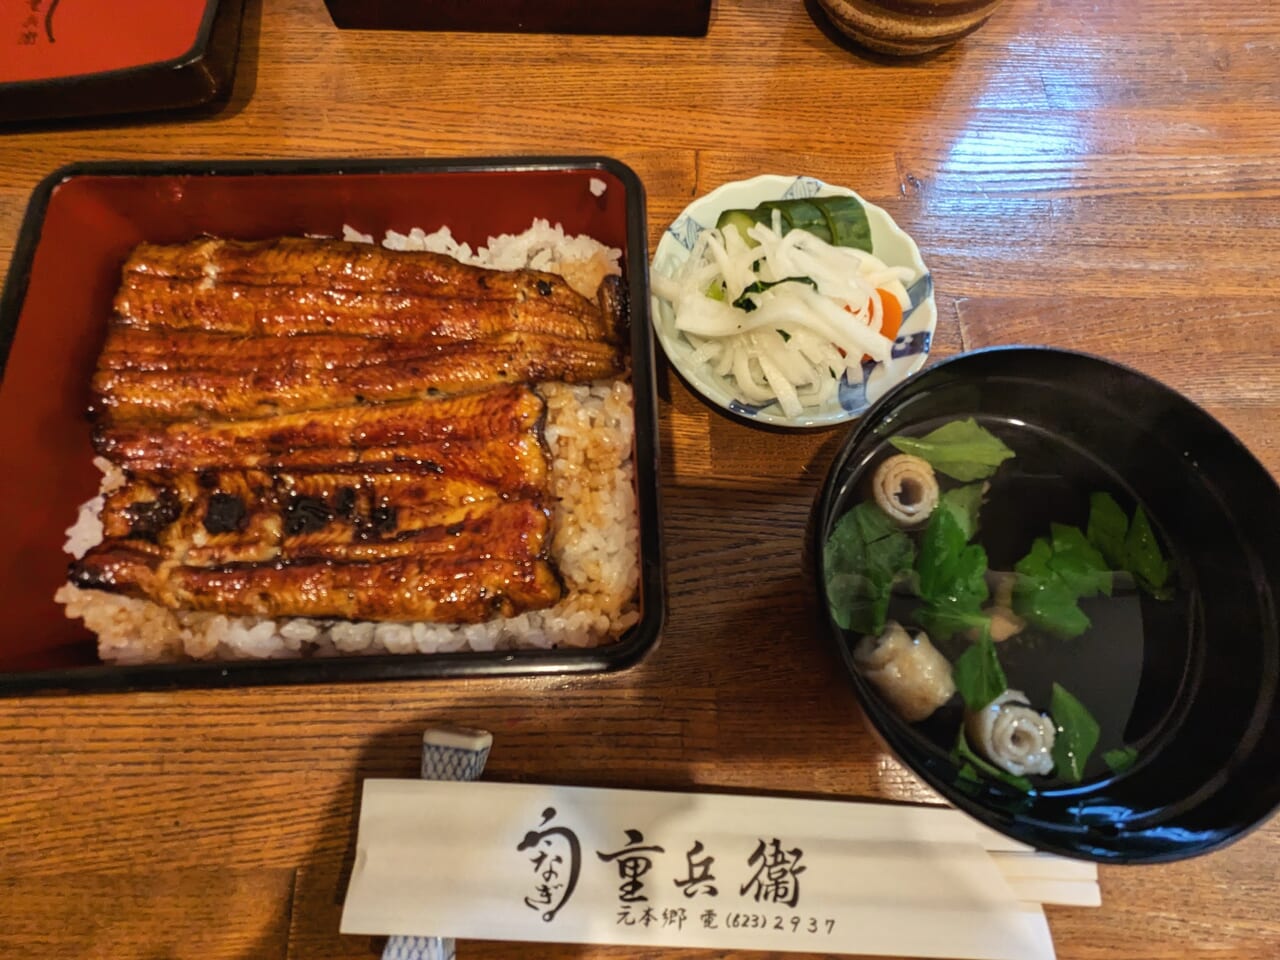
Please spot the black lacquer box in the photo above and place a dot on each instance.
(83, 221)
(677, 18)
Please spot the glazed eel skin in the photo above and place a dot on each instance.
(295, 286)
(356, 434)
(312, 428)
(302, 324)
(147, 375)
(351, 528)
(306, 557)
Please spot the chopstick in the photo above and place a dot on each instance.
(1045, 878)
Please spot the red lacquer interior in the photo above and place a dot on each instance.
(91, 224)
(43, 39)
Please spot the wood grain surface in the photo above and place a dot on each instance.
(1099, 176)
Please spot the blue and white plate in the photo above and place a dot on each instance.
(888, 242)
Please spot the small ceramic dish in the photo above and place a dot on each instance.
(889, 242)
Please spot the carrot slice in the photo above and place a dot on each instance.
(892, 317)
(892, 314)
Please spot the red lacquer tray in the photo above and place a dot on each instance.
(83, 221)
(74, 58)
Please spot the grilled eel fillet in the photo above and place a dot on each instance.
(448, 589)
(297, 286)
(453, 430)
(227, 330)
(145, 375)
(485, 563)
(345, 528)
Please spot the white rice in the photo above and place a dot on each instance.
(594, 528)
(581, 260)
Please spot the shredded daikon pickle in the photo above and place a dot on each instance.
(809, 311)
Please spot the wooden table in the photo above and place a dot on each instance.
(1097, 176)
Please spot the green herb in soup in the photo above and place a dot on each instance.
(964, 504)
(916, 550)
(1060, 570)
(1128, 546)
(951, 572)
(1077, 734)
(978, 675)
(1121, 759)
(961, 449)
(865, 554)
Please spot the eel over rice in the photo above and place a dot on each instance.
(312, 428)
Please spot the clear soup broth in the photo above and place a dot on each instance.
(1126, 668)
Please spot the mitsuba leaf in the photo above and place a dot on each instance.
(1077, 734)
(950, 575)
(1077, 563)
(942, 620)
(964, 503)
(951, 569)
(1107, 528)
(1052, 578)
(1121, 759)
(1051, 606)
(978, 675)
(889, 551)
(1142, 555)
(862, 557)
(857, 603)
(960, 449)
(1128, 545)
